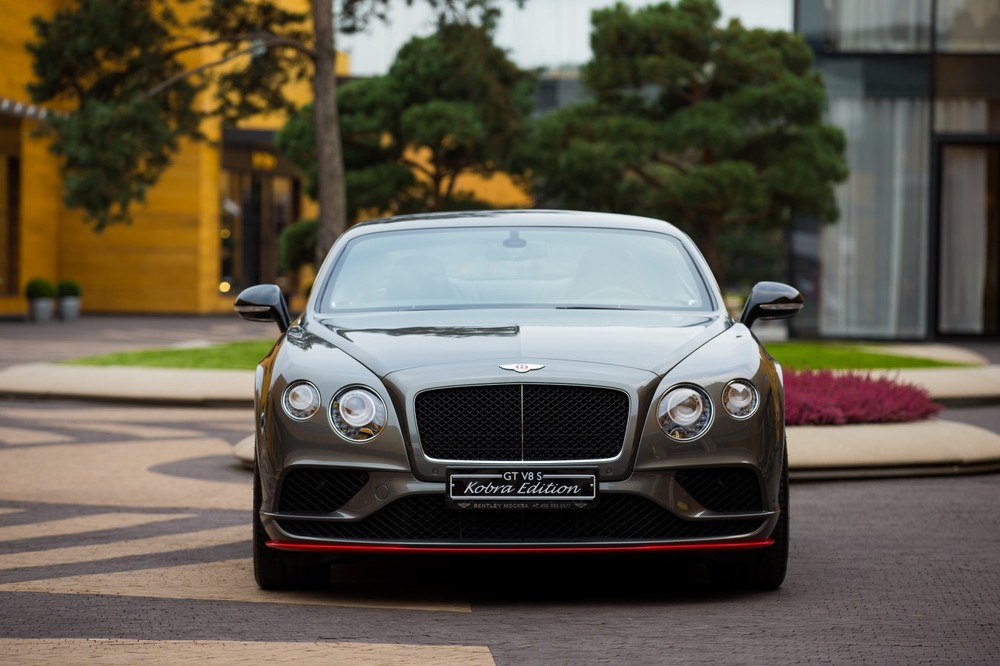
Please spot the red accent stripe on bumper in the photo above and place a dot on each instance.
(656, 547)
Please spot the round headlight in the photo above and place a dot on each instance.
(358, 414)
(300, 400)
(740, 399)
(684, 413)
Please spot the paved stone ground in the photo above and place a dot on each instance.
(988, 349)
(137, 548)
(987, 417)
(24, 341)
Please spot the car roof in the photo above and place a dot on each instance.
(517, 217)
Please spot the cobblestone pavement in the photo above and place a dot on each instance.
(136, 547)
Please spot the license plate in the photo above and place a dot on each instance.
(522, 489)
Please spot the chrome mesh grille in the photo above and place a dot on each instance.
(522, 422)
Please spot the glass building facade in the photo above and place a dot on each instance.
(915, 85)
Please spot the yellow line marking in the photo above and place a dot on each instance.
(230, 580)
(21, 436)
(83, 524)
(29, 651)
(5, 511)
(130, 547)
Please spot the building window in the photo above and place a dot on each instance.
(10, 205)
(874, 279)
(969, 282)
(968, 26)
(230, 243)
(255, 207)
(894, 26)
(968, 94)
(260, 195)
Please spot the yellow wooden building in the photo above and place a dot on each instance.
(208, 228)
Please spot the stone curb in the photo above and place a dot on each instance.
(921, 448)
(952, 385)
(168, 386)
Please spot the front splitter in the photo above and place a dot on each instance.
(493, 550)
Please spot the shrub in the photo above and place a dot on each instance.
(68, 288)
(40, 288)
(833, 398)
(296, 245)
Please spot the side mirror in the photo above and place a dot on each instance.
(263, 302)
(771, 300)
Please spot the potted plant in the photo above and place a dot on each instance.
(41, 294)
(68, 292)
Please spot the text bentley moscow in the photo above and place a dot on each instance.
(518, 381)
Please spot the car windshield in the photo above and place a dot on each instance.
(486, 267)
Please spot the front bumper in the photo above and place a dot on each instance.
(705, 508)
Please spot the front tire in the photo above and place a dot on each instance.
(273, 569)
(762, 569)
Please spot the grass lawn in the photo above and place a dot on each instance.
(231, 356)
(842, 356)
(245, 355)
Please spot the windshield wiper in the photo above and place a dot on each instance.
(595, 307)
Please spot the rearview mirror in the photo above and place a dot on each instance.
(771, 300)
(263, 302)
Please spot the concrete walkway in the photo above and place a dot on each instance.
(927, 447)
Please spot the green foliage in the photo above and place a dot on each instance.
(39, 288)
(713, 127)
(116, 67)
(453, 96)
(753, 254)
(102, 57)
(356, 15)
(68, 289)
(277, 41)
(296, 245)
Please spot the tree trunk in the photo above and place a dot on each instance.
(332, 219)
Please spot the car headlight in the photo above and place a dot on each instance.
(684, 413)
(740, 398)
(358, 414)
(300, 400)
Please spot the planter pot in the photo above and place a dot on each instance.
(40, 309)
(69, 307)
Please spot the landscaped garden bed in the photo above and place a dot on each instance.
(824, 397)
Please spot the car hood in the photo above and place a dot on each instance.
(389, 342)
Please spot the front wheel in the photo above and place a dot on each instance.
(273, 569)
(762, 569)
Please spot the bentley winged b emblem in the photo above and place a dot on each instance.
(522, 367)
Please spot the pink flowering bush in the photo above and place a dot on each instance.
(823, 397)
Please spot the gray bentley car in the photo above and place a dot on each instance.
(518, 382)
